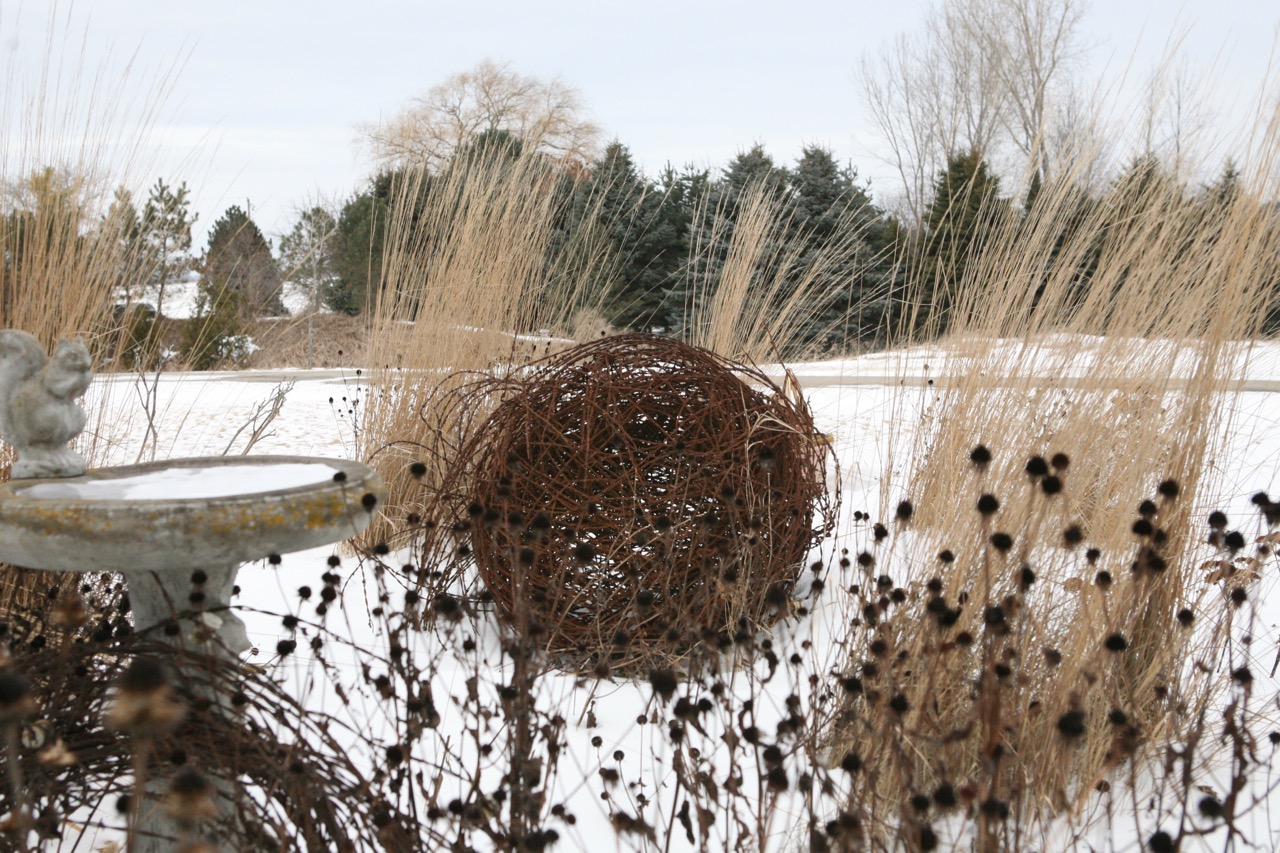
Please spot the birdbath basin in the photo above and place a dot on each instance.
(161, 523)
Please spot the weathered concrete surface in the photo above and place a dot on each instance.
(85, 535)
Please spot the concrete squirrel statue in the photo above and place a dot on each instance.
(39, 412)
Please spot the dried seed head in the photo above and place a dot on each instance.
(191, 798)
(1211, 807)
(143, 675)
(944, 796)
(16, 702)
(994, 808)
(1071, 724)
(664, 682)
(144, 703)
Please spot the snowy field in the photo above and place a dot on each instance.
(859, 403)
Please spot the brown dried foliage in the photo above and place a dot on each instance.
(631, 496)
(297, 786)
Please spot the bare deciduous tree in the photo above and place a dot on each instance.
(981, 75)
(546, 115)
(1178, 118)
(1034, 42)
(921, 102)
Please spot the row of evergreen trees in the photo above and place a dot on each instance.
(657, 230)
(669, 236)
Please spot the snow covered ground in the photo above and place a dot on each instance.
(870, 423)
(180, 297)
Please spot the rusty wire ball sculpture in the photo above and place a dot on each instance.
(630, 498)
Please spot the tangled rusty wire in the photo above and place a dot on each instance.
(297, 784)
(632, 497)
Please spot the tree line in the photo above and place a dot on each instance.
(668, 236)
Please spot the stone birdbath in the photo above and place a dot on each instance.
(157, 523)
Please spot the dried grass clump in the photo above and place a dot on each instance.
(633, 496)
(1020, 691)
(1091, 346)
(1110, 335)
(764, 300)
(339, 341)
(475, 277)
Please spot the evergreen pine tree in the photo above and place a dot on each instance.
(714, 214)
(122, 236)
(357, 247)
(749, 169)
(1226, 188)
(966, 212)
(684, 197)
(1068, 211)
(166, 235)
(643, 229)
(239, 260)
(306, 252)
(842, 233)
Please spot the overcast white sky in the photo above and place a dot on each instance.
(268, 94)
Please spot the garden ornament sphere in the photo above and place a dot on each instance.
(635, 496)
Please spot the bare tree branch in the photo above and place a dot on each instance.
(546, 115)
(982, 75)
(264, 413)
